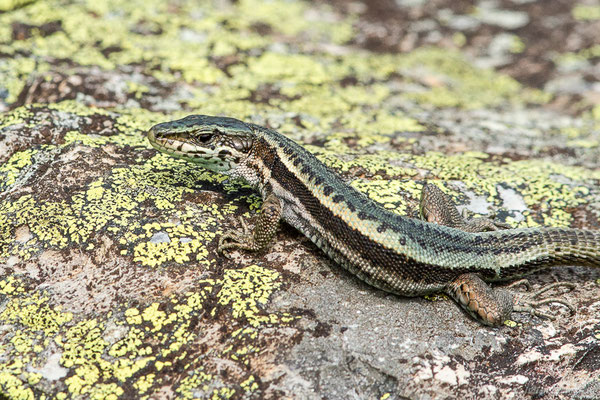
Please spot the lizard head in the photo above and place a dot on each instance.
(216, 143)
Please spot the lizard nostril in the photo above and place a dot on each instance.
(151, 134)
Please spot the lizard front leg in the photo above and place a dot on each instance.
(266, 227)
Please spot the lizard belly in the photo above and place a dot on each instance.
(352, 260)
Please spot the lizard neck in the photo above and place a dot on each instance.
(257, 168)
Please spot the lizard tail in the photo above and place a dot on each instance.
(573, 246)
(529, 248)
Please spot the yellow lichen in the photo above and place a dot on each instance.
(35, 313)
(82, 343)
(13, 167)
(14, 388)
(193, 382)
(10, 285)
(144, 383)
(586, 12)
(245, 289)
(250, 384)
(215, 60)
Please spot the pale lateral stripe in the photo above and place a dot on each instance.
(345, 256)
(368, 228)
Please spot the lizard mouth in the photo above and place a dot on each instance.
(181, 146)
(174, 144)
(209, 148)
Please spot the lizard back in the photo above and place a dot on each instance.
(395, 253)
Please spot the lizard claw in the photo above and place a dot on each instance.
(531, 302)
(482, 224)
(523, 282)
(234, 240)
(222, 246)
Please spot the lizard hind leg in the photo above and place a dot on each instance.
(478, 299)
(487, 305)
(437, 207)
(494, 306)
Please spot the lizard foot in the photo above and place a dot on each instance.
(437, 207)
(482, 224)
(233, 239)
(531, 302)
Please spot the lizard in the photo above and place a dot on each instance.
(441, 252)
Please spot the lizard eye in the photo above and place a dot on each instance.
(205, 138)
